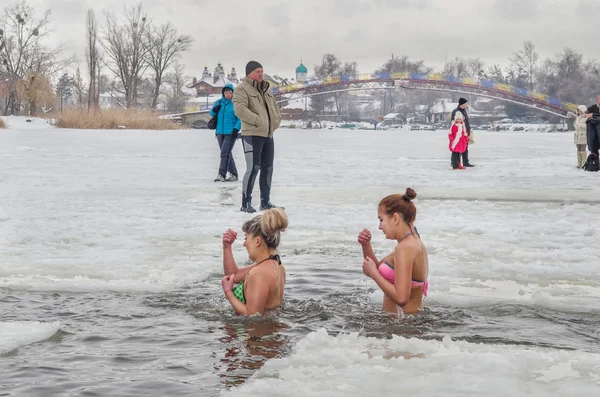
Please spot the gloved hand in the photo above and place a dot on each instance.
(235, 131)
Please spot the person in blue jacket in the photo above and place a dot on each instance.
(228, 126)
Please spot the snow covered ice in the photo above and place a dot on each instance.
(137, 210)
(351, 365)
(15, 334)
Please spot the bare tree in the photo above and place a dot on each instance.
(475, 67)
(591, 83)
(23, 52)
(401, 64)
(330, 66)
(35, 87)
(165, 46)
(350, 69)
(420, 102)
(495, 74)
(124, 47)
(525, 63)
(176, 80)
(516, 77)
(92, 57)
(404, 64)
(458, 67)
(318, 103)
(569, 64)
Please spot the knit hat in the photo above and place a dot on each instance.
(458, 115)
(252, 66)
(462, 101)
(583, 108)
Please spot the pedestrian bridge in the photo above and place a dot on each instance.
(432, 82)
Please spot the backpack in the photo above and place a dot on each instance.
(592, 163)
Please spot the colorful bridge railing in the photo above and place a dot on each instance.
(485, 84)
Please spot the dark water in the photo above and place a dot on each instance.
(188, 342)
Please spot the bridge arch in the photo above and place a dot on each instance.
(432, 82)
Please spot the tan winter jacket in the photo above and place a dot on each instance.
(255, 105)
(580, 130)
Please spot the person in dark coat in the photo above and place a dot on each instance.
(462, 107)
(593, 128)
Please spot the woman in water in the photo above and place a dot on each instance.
(261, 284)
(402, 275)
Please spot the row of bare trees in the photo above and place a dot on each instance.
(25, 61)
(122, 52)
(131, 47)
(566, 76)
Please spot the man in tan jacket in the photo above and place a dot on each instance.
(255, 105)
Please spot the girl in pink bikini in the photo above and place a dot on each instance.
(402, 275)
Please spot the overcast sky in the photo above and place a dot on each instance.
(278, 33)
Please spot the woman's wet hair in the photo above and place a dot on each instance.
(400, 204)
(268, 226)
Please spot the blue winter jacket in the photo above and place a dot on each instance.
(227, 120)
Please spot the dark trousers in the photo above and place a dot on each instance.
(259, 152)
(455, 159)
(593, 137)
(465, 155)
(226, 143)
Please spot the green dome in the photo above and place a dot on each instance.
(301, 69)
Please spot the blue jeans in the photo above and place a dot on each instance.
(226, 143)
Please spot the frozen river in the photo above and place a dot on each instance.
(110, 261)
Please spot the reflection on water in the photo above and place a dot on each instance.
(246, 348)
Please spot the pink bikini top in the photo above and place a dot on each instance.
(389, 274)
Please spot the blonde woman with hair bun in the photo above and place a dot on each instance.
(259, 286)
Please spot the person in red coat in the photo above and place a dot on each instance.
(459, 139)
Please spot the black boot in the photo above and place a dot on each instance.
(268, 206)
(246, 205)
(465, 158)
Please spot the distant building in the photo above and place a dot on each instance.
(213, 84)
(111, 99)
(233, 76)
(442, 110)
(301, 73)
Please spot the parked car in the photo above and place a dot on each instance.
(199, 125)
